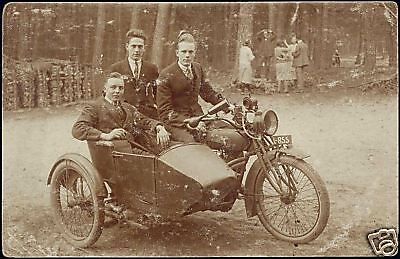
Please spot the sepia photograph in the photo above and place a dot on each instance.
(193, 129)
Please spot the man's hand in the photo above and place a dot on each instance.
(229, 109)
(162, 136)
(118, 133)
(201, 127)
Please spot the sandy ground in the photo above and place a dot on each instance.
(352, 139)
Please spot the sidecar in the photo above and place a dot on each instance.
(181, 180)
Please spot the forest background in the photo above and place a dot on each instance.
(53, 53)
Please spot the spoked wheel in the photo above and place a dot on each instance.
(298, 212)
(79, 213)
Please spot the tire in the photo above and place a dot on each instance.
(301, 228)
(75, 204)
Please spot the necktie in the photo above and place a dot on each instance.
(136, 70)
(188, 73)
(119, 109)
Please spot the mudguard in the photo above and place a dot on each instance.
(250, 184)
(87, 167)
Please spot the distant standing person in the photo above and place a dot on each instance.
(139, 75)
(282, 66)
(269, 51)
(300, 61)
(245, 71)
(336, 58)
(291, 70)
(264, 53)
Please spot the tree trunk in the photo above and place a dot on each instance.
(326, 60)
(370, 48)
(392, 31)
(225, 40)
(217, 51)
(280, 20)
(295, 19)
(317, 51)
(135, 15)
(245, 28)
(88, 31)
(37, 30)
(97, 60)
(271, 16)
(172, 34)
(23, 38)
(391, 47)
(120, 35)
(360, 41)
(159, 39)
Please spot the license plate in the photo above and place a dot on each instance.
(282, 139)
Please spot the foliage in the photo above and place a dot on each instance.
(34, 33)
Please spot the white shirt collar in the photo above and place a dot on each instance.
(130, 60)
(132, 63)
(183, 67)
(108, 100)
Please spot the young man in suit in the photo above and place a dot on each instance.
(107, 118)
(179, 86)
(139, 75)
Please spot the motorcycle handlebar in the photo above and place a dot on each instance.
(193, 122)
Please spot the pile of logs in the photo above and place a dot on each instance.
(26, 85)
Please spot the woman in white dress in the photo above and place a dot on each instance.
(245, 71)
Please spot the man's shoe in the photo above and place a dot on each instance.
(114, 206)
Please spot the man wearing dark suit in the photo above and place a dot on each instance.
(179, 86)
(139, 75)
(300, 61)
(108, 118)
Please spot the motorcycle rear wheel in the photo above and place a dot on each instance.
(79, 213)
(298, 217)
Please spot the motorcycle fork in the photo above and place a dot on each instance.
(277, 180)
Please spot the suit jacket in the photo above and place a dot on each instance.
(139, 92)
(177, 96)
(300, 55)
(100, 116)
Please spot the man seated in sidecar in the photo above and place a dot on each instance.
(107, 118)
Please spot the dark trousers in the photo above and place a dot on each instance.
(300, 77)
(181, 134)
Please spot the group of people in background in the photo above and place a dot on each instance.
(289, 58)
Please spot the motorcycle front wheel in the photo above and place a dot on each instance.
(299, 211)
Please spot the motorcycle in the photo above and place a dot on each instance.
(288, 196)
(281, 188)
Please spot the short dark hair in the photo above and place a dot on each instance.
(184, 36)
(114, 75)
(135, 33)
(279, 43)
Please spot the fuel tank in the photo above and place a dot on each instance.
(189, 174)
(226, 138)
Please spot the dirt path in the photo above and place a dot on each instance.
(352, 140)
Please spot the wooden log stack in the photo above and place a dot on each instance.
(29, 86)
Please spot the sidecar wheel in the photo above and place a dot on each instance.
(297, 218)
(79, 213)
